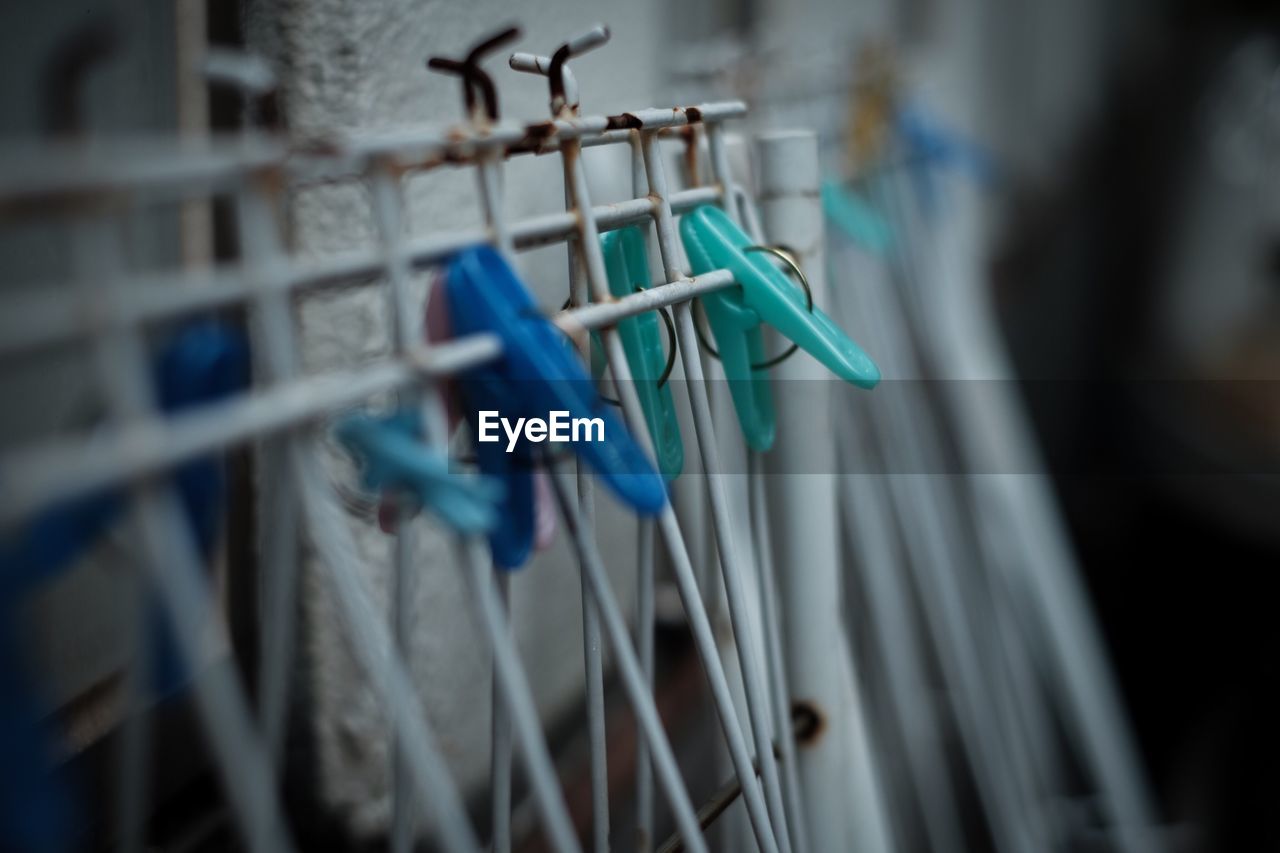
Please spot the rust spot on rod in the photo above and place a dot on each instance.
(808, 722)
(624, 121)
(693, 114)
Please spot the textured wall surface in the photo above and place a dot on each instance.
(359, 66)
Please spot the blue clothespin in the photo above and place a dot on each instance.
(930, 145)
(202, 363)
(394, 458)
(537, 374)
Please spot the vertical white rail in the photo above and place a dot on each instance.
(261, 256)
(171, 557)
(734, 202)
(763, 814)
(837, 770)
(592, 653)
(489, 183)
(645, 623)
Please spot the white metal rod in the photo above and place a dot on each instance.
(489, 183)
(239, 752)
(775, 674)
(1020, 696)
(593, 661)
(757, 702)
(500, 731)
(403, 819)
(645, 620)
(373, 648)
(780, 696)
(45, 315)
(844, 801)
(759, 521)
(517, 696)
(47, 472)
(154, 165)
(644, 641)
(597, 276)
(894, 629)
(731, 571)
(650, 724)
(176, 571)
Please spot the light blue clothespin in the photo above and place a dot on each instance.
(930, 145)
(393, 457)
(856, 218)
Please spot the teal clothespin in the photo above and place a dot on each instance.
(628, 271)
(854, 216)
(765, 295)
(391, 451)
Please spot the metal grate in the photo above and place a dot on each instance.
(109, 309)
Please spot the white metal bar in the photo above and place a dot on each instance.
(140, 164)
(46, 314)
(500, 737)
(489, 183)
(650, 724)
(369, 636)
(764, 814)
(645, 580)
(779, 695)
(405, 331)
(175, 568)
(593, 661)
(517, 696)
(403, 819)
(372, 646)
(933, 571)
(775, 674)
(819, 657)
(64, 467)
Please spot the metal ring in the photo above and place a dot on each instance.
(671, 351)
(785, 255)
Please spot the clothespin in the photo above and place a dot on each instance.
(930, 145)
(628, 271)
(764, 295)
(202, 363)
(536, 375)
(394, 458)
(856, 218)
(437, 326)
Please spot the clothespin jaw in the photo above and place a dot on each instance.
(713, 241)
(536, 375)
(628, 270)
(394, 458)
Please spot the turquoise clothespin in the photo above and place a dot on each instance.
(765, 295)
(391, 451)
(856, 218)
(628, 270)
